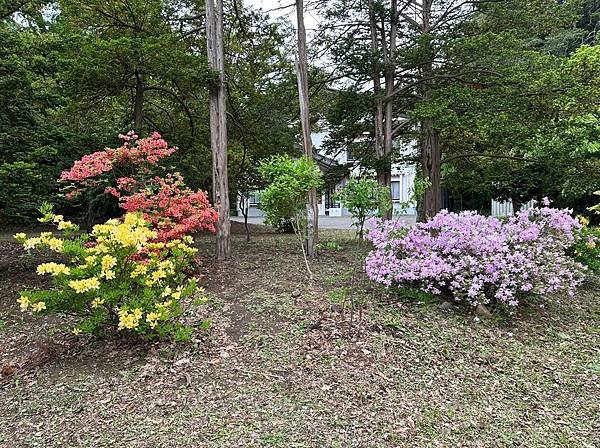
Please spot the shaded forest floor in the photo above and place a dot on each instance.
(293, 363)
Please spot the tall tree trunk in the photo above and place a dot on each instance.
(431, 154)
(218, 125)
(431, 158)
(383, 116)
(389, 77)
(312, 211)
(138, 104)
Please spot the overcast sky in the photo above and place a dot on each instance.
(310, 17)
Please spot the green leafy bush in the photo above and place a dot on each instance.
(285, 198)
(364, 198)
(118, 277)
(587, 249)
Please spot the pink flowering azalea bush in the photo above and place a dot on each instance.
(477, 259)
(134, 151)
(130, 174)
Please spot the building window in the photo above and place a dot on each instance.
(396, 190)
(349, 156)
(254, 198)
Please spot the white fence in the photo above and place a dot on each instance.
(505, 208)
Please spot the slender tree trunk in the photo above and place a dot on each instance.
(244, 205)
(431, 158)
(312, 211)
(138, 104)
(218, 125)
(431, 154)
(383, 116)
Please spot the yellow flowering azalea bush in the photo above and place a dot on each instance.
(118, 277)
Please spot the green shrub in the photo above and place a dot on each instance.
(587, 249)
(364, 198)
(290, 181)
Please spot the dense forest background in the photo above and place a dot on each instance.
(509, 91)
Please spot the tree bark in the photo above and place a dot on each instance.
(138, 104)
(431, 154)
(431, 158)
(218, 125)
(383, 116)
(312, 212)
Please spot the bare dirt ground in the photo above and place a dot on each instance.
(293, 363)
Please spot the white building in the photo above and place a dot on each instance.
(403, 176)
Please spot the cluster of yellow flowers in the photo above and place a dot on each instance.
(97, 302)
(583, 220)
(59, 220)
(181, 244)
(53, 269)
(163, 270)
(46, 239)
(108, 263)
(129, 319)
(84, 285)
(132, 232)
(25, 303)
(152, 318)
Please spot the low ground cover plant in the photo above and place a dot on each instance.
(476, 259)
(116, 278)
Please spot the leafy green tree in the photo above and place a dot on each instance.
(285, 197)
(364, 198)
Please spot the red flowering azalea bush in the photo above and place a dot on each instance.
(172, 208)
(133, 152)
(130, 173)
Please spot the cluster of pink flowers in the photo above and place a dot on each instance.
(133, 151)
(173, 209)
(167, 203)
(478, 259)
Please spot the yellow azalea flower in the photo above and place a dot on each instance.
(57, 218)
(591, 244)
(84, 285)
(163, 305)
(65, 225)
(97, 302)
(140, 269)
(31, 243)
(129, 319)
(583, 220)
(90, 259)
(55, 244)
(152, 319)
(23, 302)
(45, 236)
(21, 237)
(76, 331)
(108, 262)
(53, 269)
(39, 306)
(166, 292)
(156, 277)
